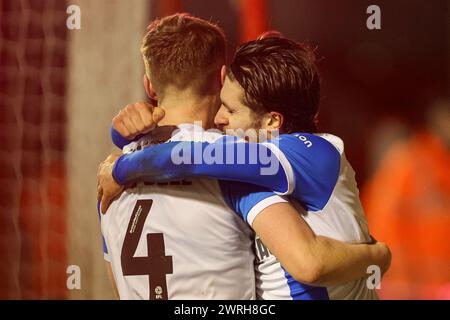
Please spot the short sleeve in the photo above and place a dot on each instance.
(312, 166)
(248, 200)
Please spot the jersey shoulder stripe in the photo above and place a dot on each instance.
(315, 167)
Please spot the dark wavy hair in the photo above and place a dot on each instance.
(279, 75)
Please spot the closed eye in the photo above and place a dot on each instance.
(229, 110)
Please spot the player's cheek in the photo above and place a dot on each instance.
(236, 122)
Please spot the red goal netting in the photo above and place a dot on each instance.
(32, 139)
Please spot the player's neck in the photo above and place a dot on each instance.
(188, 109)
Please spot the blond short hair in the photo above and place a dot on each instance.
(183, 51)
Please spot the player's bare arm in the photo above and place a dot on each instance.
(315, 259)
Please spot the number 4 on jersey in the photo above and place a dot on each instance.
(156, 264)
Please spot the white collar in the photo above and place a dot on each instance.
(190, 127)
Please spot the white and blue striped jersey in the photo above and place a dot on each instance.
(329, 202)
(312, 171)
(179, 239)
(341, 217)
(321, 184)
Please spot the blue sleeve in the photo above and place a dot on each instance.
(120, 141)
(243, 197)
(225, 159)
(304, 165)
(117, 139)
(105, 248)
(312, 165)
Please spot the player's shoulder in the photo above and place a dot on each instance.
(310, 140)
(336, 141)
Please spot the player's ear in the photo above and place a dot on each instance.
(272, 121)
(223, 74)
(149, 88)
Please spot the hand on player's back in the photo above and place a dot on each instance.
(386, 259)
(386, 254)
(107, 188)
(137, 118)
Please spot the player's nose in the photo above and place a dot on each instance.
(221, 119)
